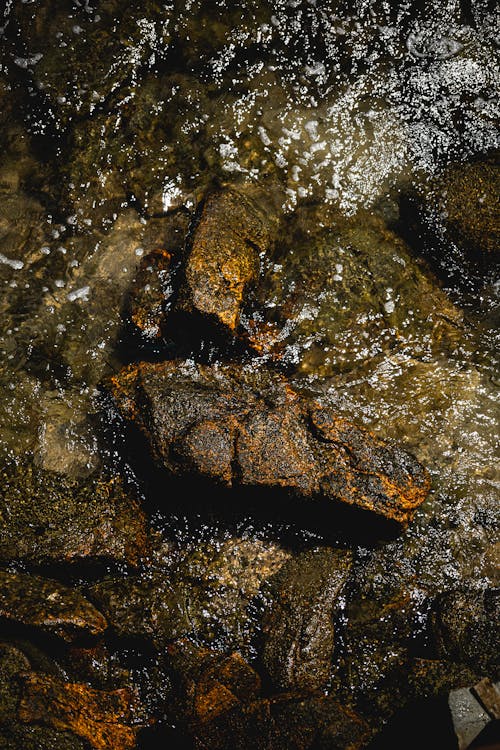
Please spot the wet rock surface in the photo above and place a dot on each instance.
(298, 627)
(45, 604)
(224, 260)
(237, 427)
(269, 231)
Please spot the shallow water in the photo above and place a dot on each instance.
(116, 118)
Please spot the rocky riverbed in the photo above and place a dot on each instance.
(248, 407)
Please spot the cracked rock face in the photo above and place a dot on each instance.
(238, 427)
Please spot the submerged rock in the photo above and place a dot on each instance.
(105, 719)
(465, 628)
(48, 605)
(299, 634)
(218, 700)
(238, 426)
(46, 518)
(236, 227)
(149, 294)
(207, 596)
(340, 292)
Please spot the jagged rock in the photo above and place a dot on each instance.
(465, 628)
(209, 684)
(48, 605)
(46, 517)
(298, 629)
(238, 426)
(235, 228)
(105, 719)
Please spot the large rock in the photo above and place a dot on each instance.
(208, 596)
(238, 426)
(298, 628)
(218, 702)
(48, 605)
(342, 292)
(235, 228)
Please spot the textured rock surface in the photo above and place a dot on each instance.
(298, 628)
(104, 719)
(48, 605)
(45, 517)
(238, 426)
(149, 294)
(235, 227)
(466, 198)
(465, 627)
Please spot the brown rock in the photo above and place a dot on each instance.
(149, 294)
(235, 227)
(210, 684)
(103, 718)
(299, 635)
(48, 605)
(239, 426)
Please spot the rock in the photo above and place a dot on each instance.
(235, 228)
(154, 610)
(219, 704)
(340, 292)
(38, 738)
(208, 596)
(225, 580)
(47, 518)
(150, 294)
(48, 605)
(88, 53)
(465, 199)
(242, 426)
(298, 629)
(12, 663)
(465, 628)
(209, 684)
(105, 719)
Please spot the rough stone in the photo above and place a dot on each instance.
(465, 628)
(340, 292)
(105, 719)
(48, 605)
(242, 426)
(466, 198)
(298, 628)
(236, 227)
(47, 518)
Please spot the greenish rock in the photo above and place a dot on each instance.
(465, 628)
(12, 663)
(48, 518)
(207, 596)
(155, 610)
(340, 292)
(16, 736)
(467, 197)
(80, 55)
(302, 599)
(49, 606)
